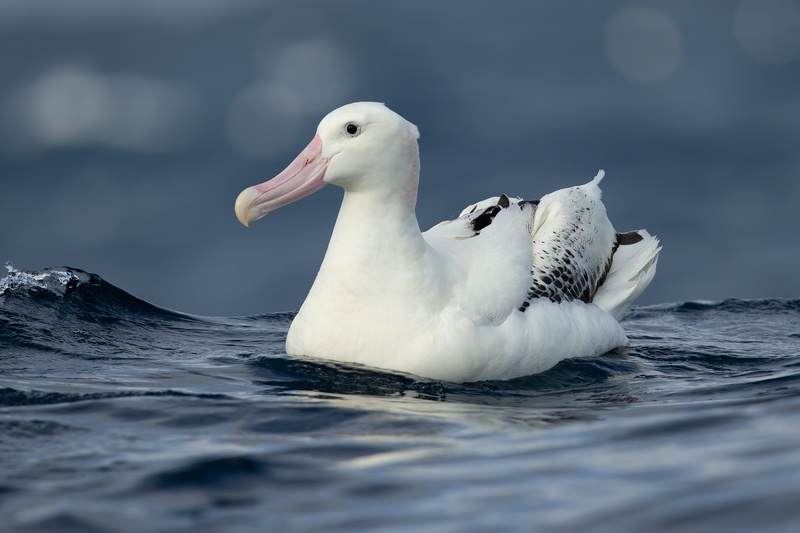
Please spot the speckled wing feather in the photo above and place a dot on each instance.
(573, 245)
(573, 241)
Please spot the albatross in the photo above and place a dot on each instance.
(507, 289)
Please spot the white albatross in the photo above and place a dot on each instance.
(508, 289)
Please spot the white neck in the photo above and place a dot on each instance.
(376, 262)
(375, 248)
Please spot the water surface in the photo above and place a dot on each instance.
(117, 415)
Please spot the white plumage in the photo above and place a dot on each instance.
(508, 289)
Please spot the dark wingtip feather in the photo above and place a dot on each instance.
(631, 237)
(486, 218)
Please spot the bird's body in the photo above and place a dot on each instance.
(507, 289)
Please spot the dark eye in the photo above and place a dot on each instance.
(352, 129)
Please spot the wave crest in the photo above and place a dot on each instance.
(54, 280)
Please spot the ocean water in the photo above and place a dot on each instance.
(117, 415)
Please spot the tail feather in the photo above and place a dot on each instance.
(632, 270)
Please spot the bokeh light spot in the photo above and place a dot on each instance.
(768, 30)
(319, 72)
(642, 44)
(263, 120)
(67, 104)
(73, 106)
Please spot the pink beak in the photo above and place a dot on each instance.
(301, 178)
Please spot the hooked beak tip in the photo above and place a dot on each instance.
(243, 205)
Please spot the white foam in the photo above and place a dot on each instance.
(17, 279)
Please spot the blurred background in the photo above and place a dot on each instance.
(128, 128)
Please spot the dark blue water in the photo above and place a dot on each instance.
(116, 415)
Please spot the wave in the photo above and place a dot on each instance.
(11, 397)
(728, 305)
(69, 312)
(76, 292)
